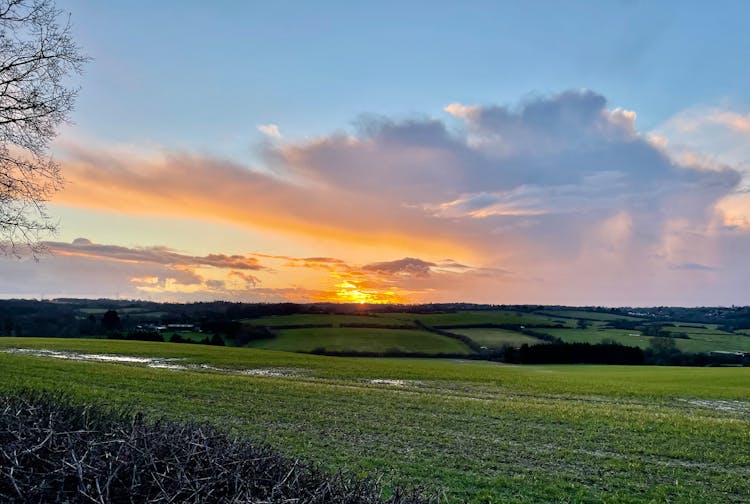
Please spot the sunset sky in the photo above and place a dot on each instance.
(578, 152)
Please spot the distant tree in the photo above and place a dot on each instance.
(217, 340)
(37, 54)
(8, 326)
(582, 323)
(654, 330)
(111, 321)
(662, 350)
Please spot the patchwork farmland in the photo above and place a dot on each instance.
(444, 415)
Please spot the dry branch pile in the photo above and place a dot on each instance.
(52, 450)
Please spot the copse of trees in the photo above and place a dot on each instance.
(574, 353)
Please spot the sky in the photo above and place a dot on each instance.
(575, 152)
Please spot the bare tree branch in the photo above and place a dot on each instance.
(37, 54)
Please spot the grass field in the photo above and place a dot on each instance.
(586, 315)
(698, 342)
(431, 319)
(333, 320)
(475, 317)
(480, 431)
(187, 335)
(496, 338)
(691, 330)
(347, 339)
(701, 338)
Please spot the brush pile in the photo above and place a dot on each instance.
(52, 450)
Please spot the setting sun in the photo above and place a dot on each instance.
(350, 292)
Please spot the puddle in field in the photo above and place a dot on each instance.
(720, 405)
(55, 354)
(395, 383)
(277, 372)
(154, 362)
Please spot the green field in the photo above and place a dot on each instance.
(701, 338)
(496, 338)
(478, 431)
(188, 335)
(698, 342)
(431, 319)
(691, 329)
(587, 315)
(332, 320)
(348, 339)
(474, 317)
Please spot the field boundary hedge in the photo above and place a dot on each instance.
(460, 337)
(53, 450)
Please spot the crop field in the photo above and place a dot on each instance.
(496, 338)
(348, 339)
(475, 431)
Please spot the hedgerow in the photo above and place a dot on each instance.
(53, 450)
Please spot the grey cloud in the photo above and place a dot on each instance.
(408, 266)
(694, 267)
(567, 161)
(561, 142)
(156, 255)
(248, 280)
(215, 284)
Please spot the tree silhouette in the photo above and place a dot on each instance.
(37, 54)
(111, 320)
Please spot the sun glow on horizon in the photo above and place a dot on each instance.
(349, 292)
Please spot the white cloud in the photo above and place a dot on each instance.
(270, 130)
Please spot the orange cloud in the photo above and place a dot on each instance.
(157, 255)
(179, 185)
(735, 211)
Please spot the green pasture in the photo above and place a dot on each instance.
(586, 315)
(697, 342)
(479, 432)
(691, 330)
(320, 319)
(431, 319)
(347, 339)
(187, 335)
(496, 338)
(474, 317)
